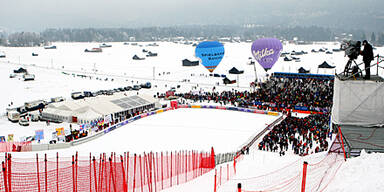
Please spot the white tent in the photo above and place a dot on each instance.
(358, 102)
(88, 116)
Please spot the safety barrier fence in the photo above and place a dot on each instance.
(296, 176)
(105, 173)
(224, 173)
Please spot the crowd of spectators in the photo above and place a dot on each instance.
(302, 135)
(277, 94)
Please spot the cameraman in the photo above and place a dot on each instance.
(367, 58)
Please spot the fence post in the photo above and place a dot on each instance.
(227, 172)
(214, 184)
(177, 166)
(146, 171)
(157, 168)
(5, 176)
(113, 178)
(304, 176)
(123, 170)
(171, 169)
(342, 143)
(162, 171)
(90, 172)
(238, 187)
(186, 165)
(57, 171)
(38, 170)
(73, 172)
(76, 169)
(101, 161)
(134, 173)
(141, 174)
(114, 165)
(9, 172)
(94, 172)
(46, 172)
(220, 174)
(127, 163)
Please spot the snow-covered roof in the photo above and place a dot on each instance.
(95, 107)
(88, 115)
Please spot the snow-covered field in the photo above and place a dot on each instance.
(181, 129)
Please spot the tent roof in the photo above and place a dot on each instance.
(302, 70)
(89, 115)
(100, 105)
(235, 71)
(326, 65)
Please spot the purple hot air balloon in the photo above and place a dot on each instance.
(267, 51)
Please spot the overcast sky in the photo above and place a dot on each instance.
(37, 15)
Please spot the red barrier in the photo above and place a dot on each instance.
(15, 146)
(144, 173)
(305, 165)
(342, 142)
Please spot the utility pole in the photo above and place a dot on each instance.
(254, 67)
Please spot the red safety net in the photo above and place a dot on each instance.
(15, 146)
(290, 178)
(105, 173)
(225, 172)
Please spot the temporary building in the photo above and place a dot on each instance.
(188, 63)
(86, 110)
(324, 65)
(302, 70)
(235, 71)
(135, 57)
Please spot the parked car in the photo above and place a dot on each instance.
(146, 85)
(136, 87)
(57, 99)
(35, 105)
(77, 95)
(13, 116)
(23, 122)
(128, 88)
(35, 116)
(88, 94)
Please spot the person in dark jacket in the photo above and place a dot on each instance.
(367, 58)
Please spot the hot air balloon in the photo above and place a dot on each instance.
(210, 54)
(267, 51)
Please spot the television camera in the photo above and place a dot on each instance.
(352, 50)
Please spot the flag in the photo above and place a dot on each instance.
(108, 118)
(39, 134)
(10, 137)
(60, 131)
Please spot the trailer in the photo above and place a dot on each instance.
(13, 116)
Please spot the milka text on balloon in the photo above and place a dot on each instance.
(263, 53)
